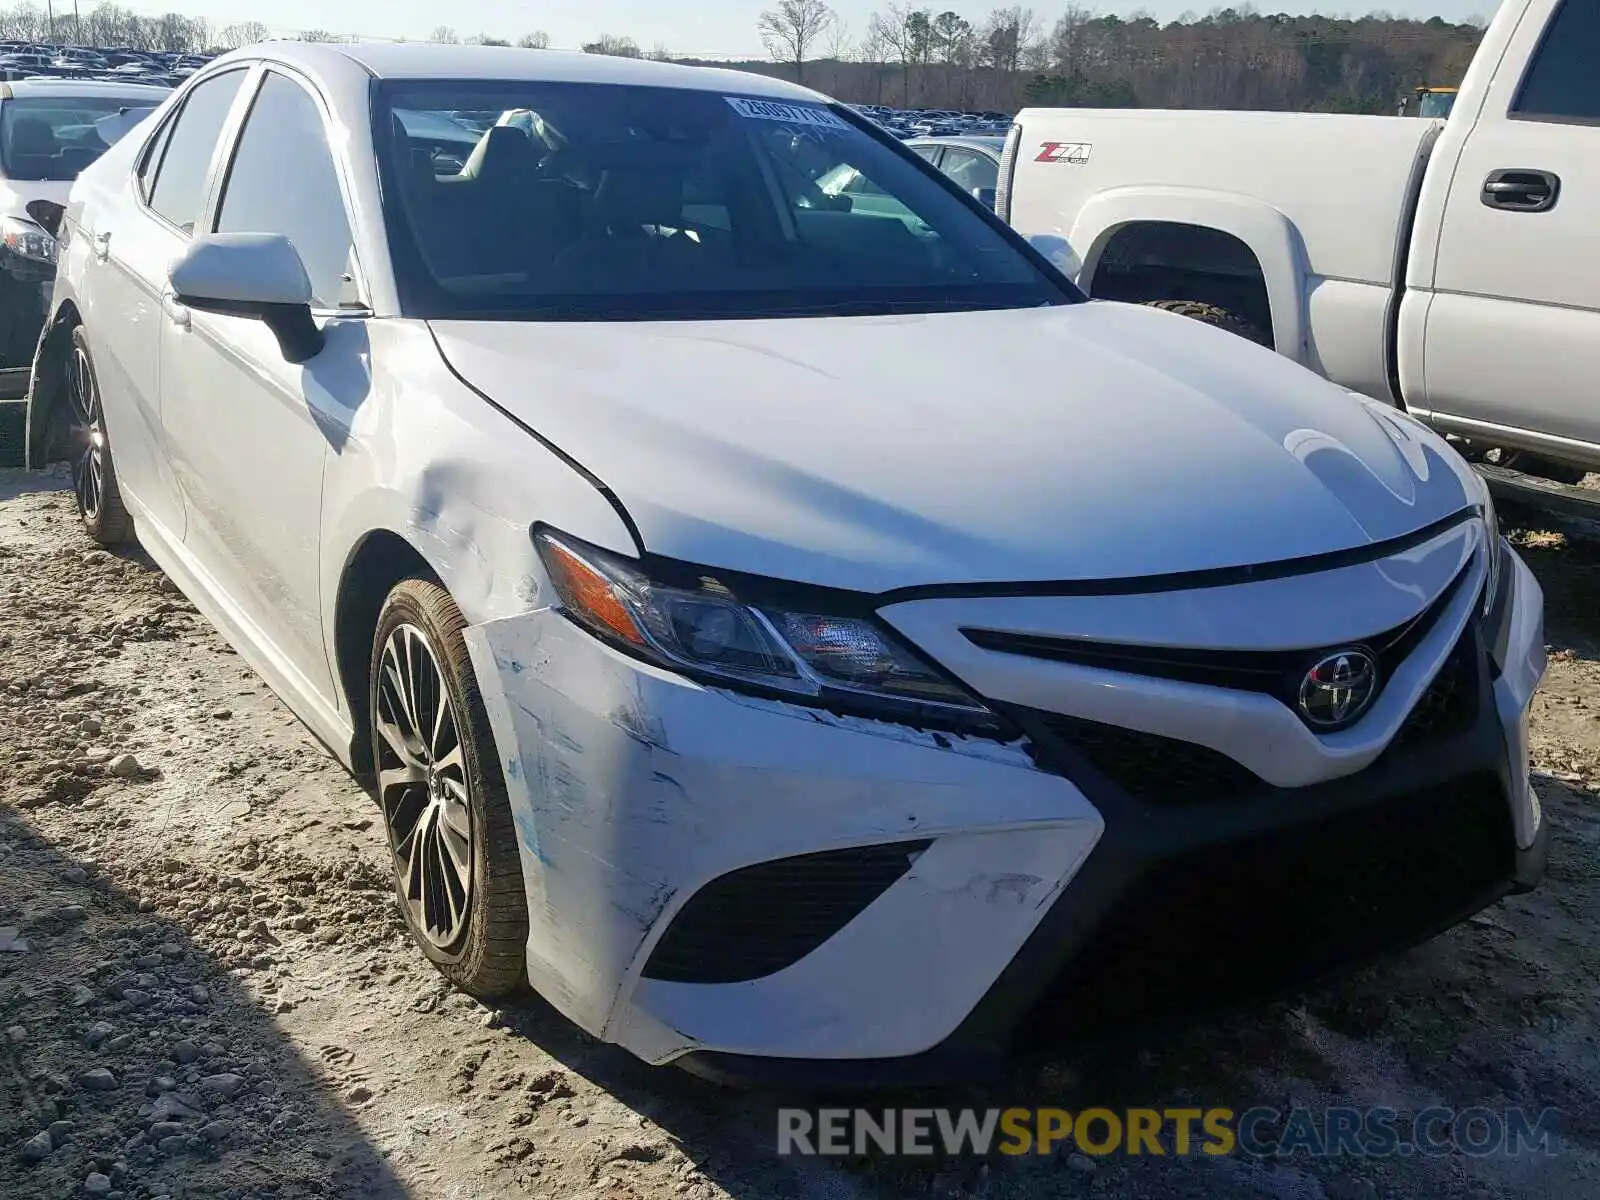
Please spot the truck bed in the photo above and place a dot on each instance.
(1343, 180)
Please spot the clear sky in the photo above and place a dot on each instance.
(712, 28)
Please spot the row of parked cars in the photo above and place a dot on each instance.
(775, 685)
(905, 123)
(32, 60)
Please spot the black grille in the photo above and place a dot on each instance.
(756, 921)
(1167, 771)
(1277, 673)
(1450, 705)
(1152, 768)
(1226, 925)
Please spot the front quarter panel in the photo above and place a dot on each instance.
(422, 456)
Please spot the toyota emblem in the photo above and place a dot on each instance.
(1339, 689)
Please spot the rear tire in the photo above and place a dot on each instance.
(1211, 314)
(452, 841)
(94, 475)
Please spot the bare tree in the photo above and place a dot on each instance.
(1006, 34)
(245, 33)
(951, 31)
(537, 40)
(318, 35)
(791, 30)
(836, 43)
(617, 47)
(445, 36)
(874, 51)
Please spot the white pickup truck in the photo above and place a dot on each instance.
(1452, 267)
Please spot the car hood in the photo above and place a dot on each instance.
(1081, 442)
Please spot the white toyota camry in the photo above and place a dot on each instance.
(800, 637)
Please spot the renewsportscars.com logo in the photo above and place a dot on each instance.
(1255, 1132)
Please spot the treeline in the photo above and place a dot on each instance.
(922, 58)
(112, 25)
(916, 58)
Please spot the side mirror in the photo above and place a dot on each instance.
(254, 275)
(1060, 253)
(985, 196)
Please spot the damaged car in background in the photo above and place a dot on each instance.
(50, 129)
(777, 687)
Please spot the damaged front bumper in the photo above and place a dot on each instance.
(769, 893)
(633, 789)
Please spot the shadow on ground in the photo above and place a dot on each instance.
(131, 1064)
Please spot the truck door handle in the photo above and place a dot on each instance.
(102, 246)
(1517, 190)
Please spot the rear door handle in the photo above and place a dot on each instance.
(1520, 190)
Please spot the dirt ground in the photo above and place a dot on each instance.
(205, 990)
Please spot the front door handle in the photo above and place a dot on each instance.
(102, 247)
(1523, 191)
(177, 313)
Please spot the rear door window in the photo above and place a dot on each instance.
(970, 170)
(1563, 82)
(181, 177)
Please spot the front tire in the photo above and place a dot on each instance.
(94, 475)
(452, 842)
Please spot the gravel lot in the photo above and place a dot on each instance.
(205, 990)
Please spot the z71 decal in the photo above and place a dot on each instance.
(1065, 152)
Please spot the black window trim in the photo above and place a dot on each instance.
(223, 171)
(229, 125)
(1545, 34)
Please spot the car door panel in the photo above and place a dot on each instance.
(128, 250)
(252, 433)
(249, 431)
(1513, 330)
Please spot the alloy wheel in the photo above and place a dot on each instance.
(422, 784)
(88, 436)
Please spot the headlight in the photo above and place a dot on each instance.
(1491, 524)
(795, 647)
(27, 240)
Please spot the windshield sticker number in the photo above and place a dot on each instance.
(789, 114)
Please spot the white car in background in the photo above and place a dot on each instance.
(50, 129)
(973, 162)
(777, 686)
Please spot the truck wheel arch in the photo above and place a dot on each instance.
(1202, 233)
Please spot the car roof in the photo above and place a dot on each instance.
(994, 145)
(418, 60)
(82, 89)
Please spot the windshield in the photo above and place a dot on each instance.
(599, 202)
(54, 138)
